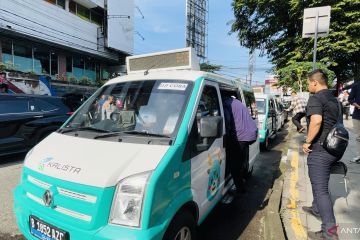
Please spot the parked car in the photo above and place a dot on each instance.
(268, 119)
(27, 119)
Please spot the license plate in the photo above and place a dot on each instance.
(46, 231)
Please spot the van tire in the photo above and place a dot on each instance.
(182, 222)
(265, 145)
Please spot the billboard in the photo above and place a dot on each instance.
(120, 25)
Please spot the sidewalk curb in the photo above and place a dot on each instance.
(273, 224)
(274, 229)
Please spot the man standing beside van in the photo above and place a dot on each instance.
(298, 105)
(323, 112)
(241, 131)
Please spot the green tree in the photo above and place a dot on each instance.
(294, 76)
(275, 27)
(208, 67)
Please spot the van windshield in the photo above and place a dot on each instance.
(261, 106)
(153, 106)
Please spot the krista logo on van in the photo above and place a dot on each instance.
(49, 163)
(43, 162)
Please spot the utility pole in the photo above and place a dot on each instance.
(251, 65)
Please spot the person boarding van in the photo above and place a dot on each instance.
(153, 170)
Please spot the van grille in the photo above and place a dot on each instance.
(61, 192)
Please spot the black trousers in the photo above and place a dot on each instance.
(238, 156)
(297, 120)
(319, 163)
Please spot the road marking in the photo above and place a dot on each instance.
(294, 194)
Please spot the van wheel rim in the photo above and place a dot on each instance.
(183, 234)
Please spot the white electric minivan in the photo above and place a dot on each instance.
(142, 158)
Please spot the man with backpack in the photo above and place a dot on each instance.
(322, 113)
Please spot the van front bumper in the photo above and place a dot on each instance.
(24, 207)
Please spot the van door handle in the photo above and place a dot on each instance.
(38, 116)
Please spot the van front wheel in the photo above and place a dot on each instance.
(182, 227)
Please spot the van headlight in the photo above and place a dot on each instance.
(128, 200)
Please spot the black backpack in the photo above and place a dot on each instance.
(337, 139)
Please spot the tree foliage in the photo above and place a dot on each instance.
(295, 75)
(208, 67)
(275, 27)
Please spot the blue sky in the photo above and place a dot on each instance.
(163, 28)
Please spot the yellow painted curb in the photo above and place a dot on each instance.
(294, 194)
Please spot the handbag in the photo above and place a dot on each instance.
(337, 139)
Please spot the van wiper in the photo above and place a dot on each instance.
(108, 134)
(63, 130)
(146, 133)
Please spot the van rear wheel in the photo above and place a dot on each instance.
(182, 227)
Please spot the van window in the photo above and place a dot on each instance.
(14, 106)
(149, 107)
(208, 106)
(250, 103)
(261, 105)
(209, 102)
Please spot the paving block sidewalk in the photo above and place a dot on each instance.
(297, 192)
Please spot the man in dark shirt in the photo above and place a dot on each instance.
(241, 131)
(322, 112)
(354, 99)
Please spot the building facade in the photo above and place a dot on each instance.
(65, 41)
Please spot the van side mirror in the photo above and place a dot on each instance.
(210, 127)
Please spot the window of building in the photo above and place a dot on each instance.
(54, 64)
(7, 56)
(23, 59)
(51, 1)
(60, 3)
(72, 7)
(97, 17)
(83, 12)
(90, 69)
(69, 65)
(78, 67)
(41, 61)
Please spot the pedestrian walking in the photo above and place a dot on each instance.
(322, 113)
(354, 99)
(298, 105)
(343, 99)
(241, 132)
